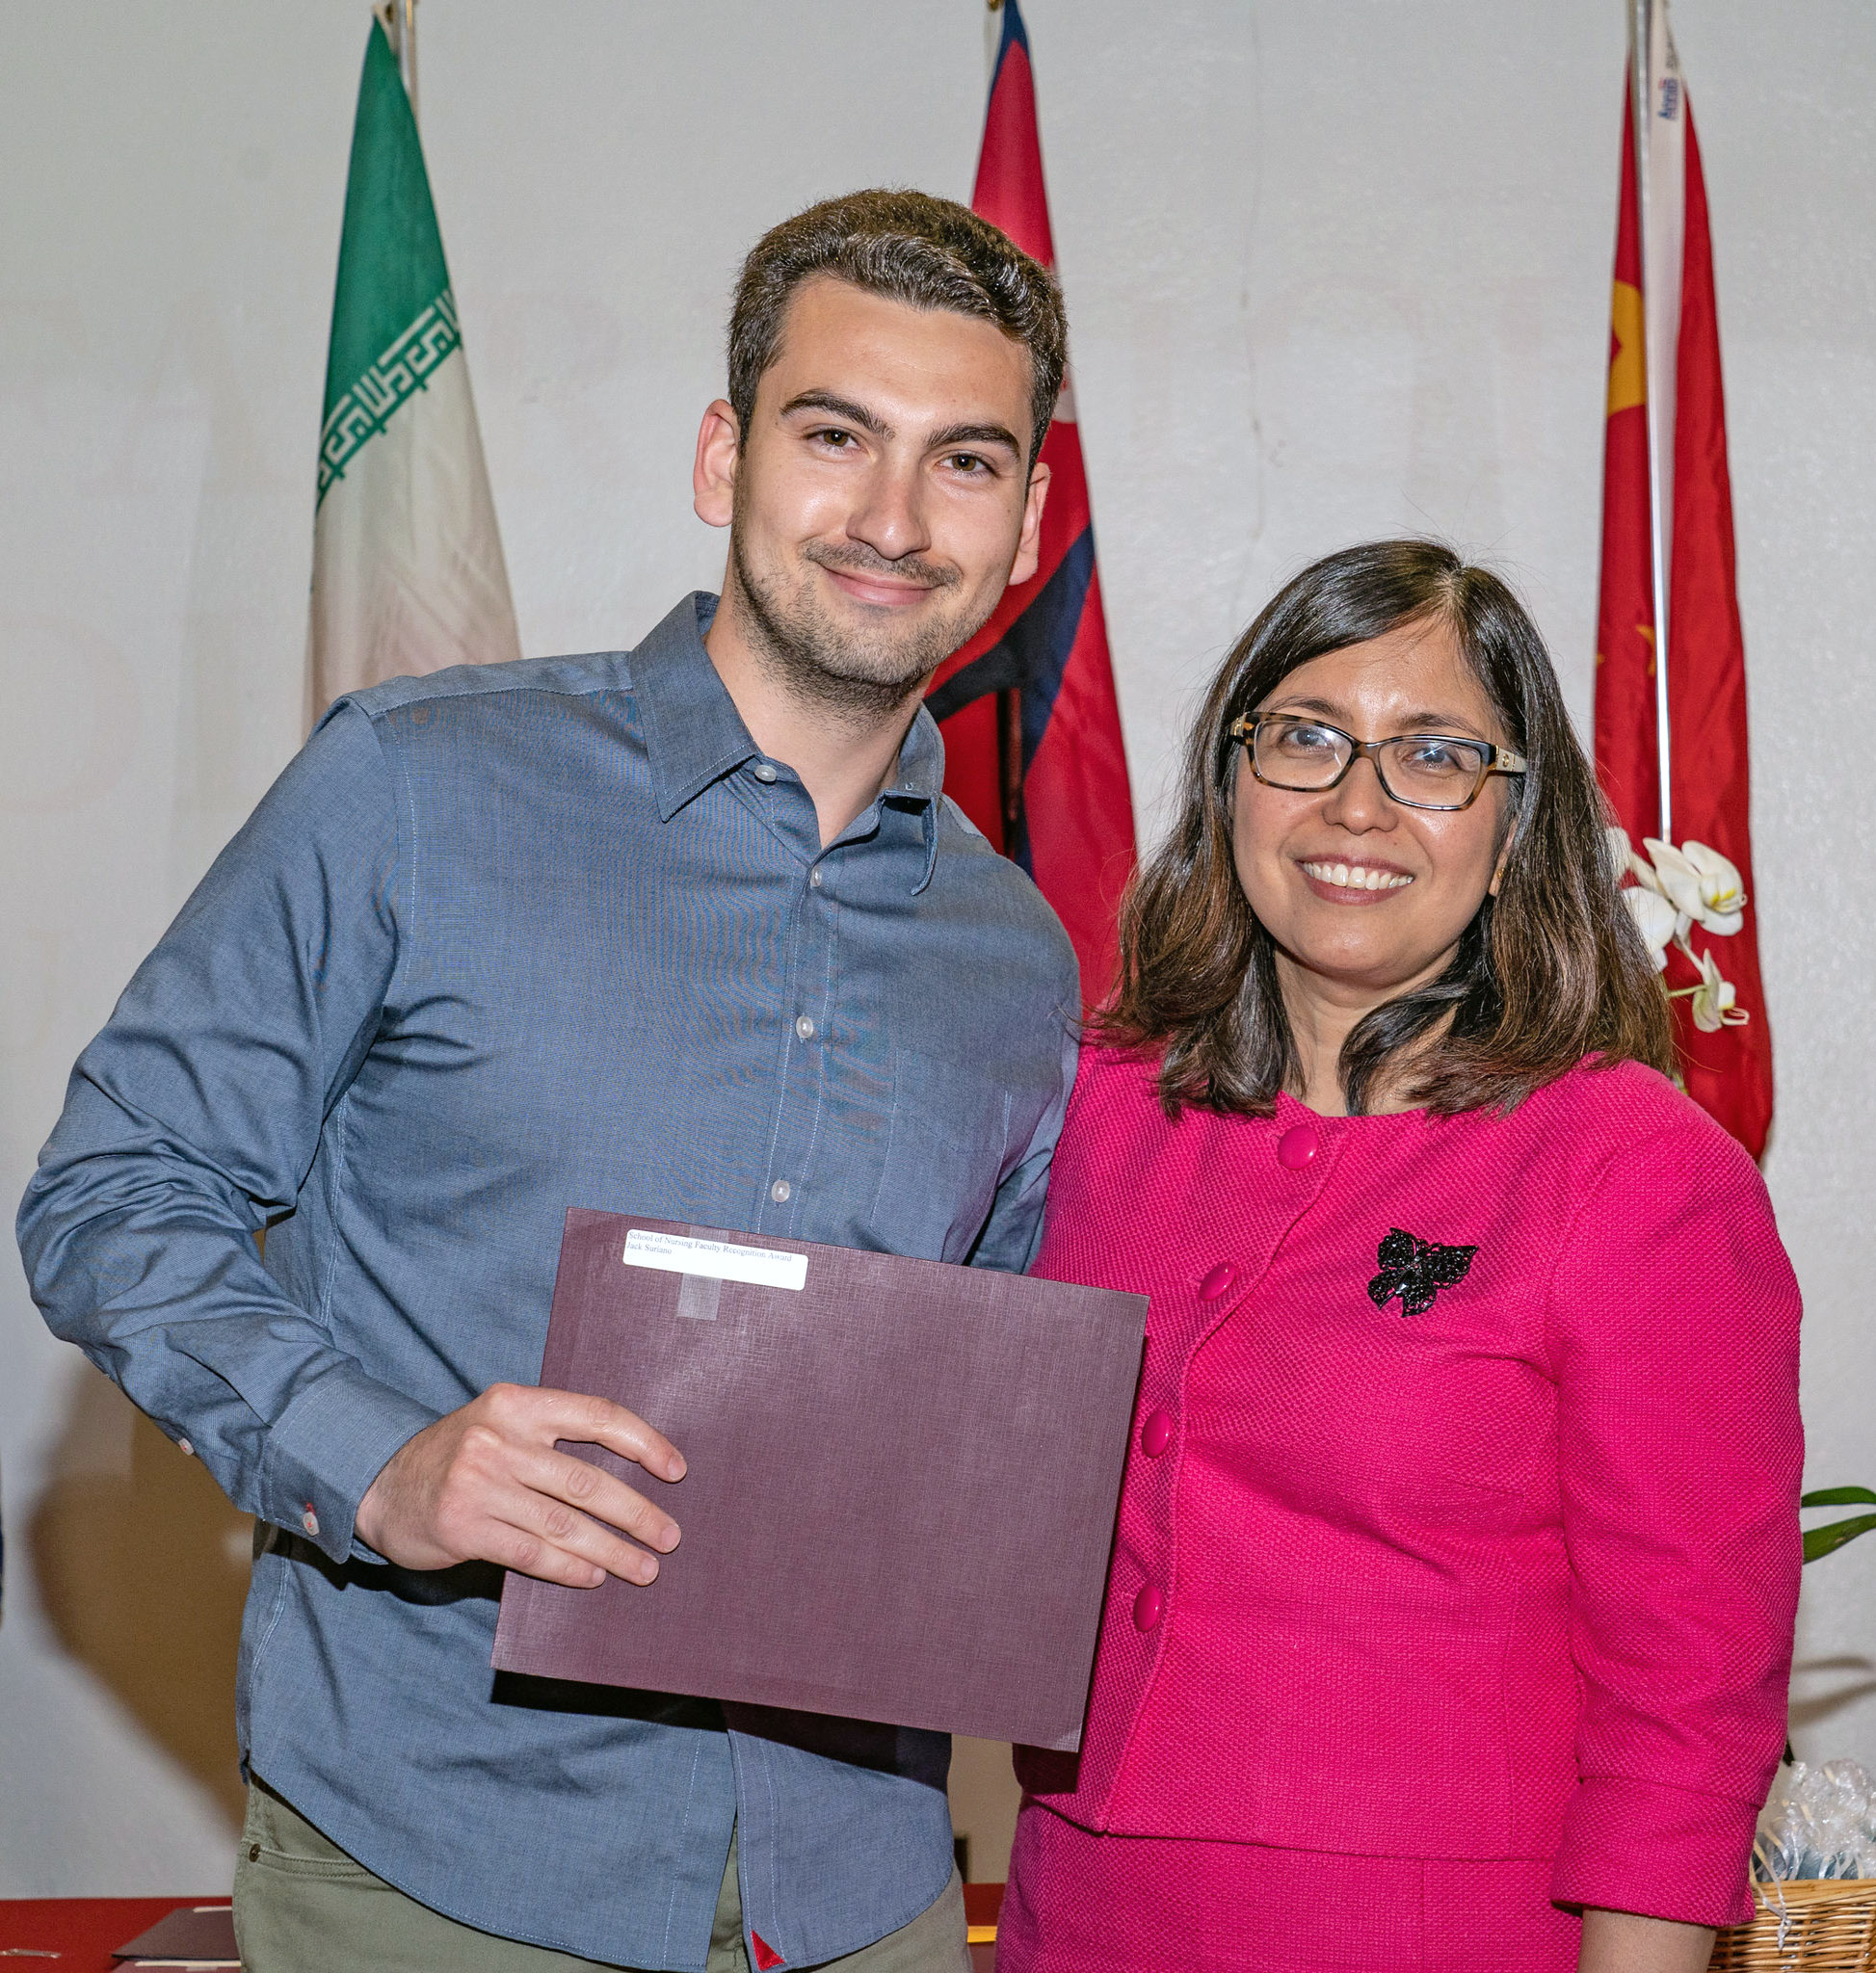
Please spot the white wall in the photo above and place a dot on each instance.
(1333, 271)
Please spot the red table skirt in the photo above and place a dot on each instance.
(982, 1904)
(83, 1932)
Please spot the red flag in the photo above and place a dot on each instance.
(1727, 1071)
(1031, 733)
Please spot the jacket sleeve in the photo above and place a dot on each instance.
(1673, 1333)
(194, 1119)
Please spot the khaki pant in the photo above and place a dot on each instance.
(303, 1905)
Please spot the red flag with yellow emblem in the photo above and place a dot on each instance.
(1679, 575)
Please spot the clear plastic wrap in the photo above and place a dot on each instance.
(1819, 1822)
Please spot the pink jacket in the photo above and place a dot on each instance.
(1460, 1518)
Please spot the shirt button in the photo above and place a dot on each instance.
(1156, 1434)
(764, 772)
(814, 879)
(804, 1028)
(1295, 1148)
(183, 1445)
(309, 1520)
(779, 1191)
(1148, 1608)
(1217, 1282)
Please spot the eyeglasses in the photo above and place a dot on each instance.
(1416, 770)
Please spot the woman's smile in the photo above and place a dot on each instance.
(1363, 894)
(1337, 881)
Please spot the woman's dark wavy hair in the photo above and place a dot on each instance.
(1549, 971)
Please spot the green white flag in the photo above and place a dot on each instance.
(408, 570)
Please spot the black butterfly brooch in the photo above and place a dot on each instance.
(1416, 1269)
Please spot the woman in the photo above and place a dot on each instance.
(1450, 1611)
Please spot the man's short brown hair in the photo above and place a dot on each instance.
(910, 247)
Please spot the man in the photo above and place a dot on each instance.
(688, 932)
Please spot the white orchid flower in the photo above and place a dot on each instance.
(1622, 851)
(1700, 885)
(1637, 867)
(1655, 919)
(1712, 1000)
(1678, 889)
(1677, 879)
(1722, 887)
(1643, 872)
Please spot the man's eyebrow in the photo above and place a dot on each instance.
(973, 434)
(839, 407)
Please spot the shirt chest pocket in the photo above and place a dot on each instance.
(948, 1138)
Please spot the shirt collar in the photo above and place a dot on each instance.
(921, 774)
(919, 782)
(693, 734)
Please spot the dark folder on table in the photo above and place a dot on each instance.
(902, 1479)
(195, 1935)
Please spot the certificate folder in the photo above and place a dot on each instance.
(902, 1479)
(195, 1935)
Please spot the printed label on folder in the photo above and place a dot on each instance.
(720, 1259)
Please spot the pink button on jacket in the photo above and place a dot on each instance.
(1437, 1552)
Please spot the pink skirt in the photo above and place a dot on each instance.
(1082, 1903)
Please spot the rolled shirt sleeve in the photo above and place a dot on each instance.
(194, 1119)
(1673, 1328)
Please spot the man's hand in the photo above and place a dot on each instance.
(486, 1485)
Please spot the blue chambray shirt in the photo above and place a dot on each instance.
(502, 941)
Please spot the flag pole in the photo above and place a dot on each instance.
(1009, 701)
(1654, 95)
(400, 19)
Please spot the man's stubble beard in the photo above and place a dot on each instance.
(824, 663)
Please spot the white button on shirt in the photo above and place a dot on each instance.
(779, 1191)
(804, 1028)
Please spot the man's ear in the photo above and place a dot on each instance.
(1029, 542)
(713, 473)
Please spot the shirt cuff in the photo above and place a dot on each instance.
(1663, 1853)
(325, 1449)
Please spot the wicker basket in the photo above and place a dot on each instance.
(1830, 1927)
